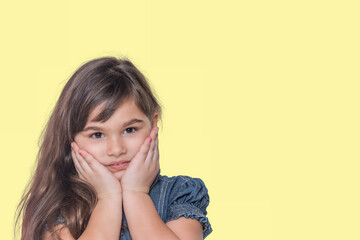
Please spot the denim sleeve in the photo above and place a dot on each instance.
(189, 198)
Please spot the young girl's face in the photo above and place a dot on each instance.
(118, 139)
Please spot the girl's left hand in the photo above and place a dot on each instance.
(144, 167)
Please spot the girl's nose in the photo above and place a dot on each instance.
(115, 147)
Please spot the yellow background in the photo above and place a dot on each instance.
(261, 101)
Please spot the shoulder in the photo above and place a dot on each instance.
(181, 186)
(182, 181)
(187, 197)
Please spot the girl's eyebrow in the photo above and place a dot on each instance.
(132, 121)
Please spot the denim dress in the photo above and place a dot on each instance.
(174, 197)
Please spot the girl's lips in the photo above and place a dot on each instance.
(119, 166)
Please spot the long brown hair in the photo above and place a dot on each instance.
(55, 187)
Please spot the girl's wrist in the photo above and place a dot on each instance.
(129, 193)
(111, 196)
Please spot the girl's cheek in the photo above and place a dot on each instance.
(135, 144)
(96, 150)
(93, 148)
(141, 140)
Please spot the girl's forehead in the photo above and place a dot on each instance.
(125, 109)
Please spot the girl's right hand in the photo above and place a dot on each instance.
(89, 169)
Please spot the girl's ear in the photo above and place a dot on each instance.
(155, 119)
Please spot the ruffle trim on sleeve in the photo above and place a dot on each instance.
(190, 211)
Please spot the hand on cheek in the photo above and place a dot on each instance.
(97, 175)
(144, 167)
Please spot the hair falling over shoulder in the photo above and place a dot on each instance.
(55, 187)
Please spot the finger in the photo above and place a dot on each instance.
(147, 143)
(151, 151)
(81, 159)
(142, 154)
(156, 151)
(156, 139)
(78, 167)
(90, 160)
(144, 149)
(155, 163)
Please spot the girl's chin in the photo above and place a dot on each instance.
(119, 174)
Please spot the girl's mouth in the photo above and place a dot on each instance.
(119, 166)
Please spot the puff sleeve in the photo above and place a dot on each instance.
(189, 198)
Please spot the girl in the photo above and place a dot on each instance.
(98, 174)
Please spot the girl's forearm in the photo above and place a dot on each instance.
(143, 219)
(105, 220)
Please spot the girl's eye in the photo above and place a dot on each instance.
(96, 135)
(130, 130)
